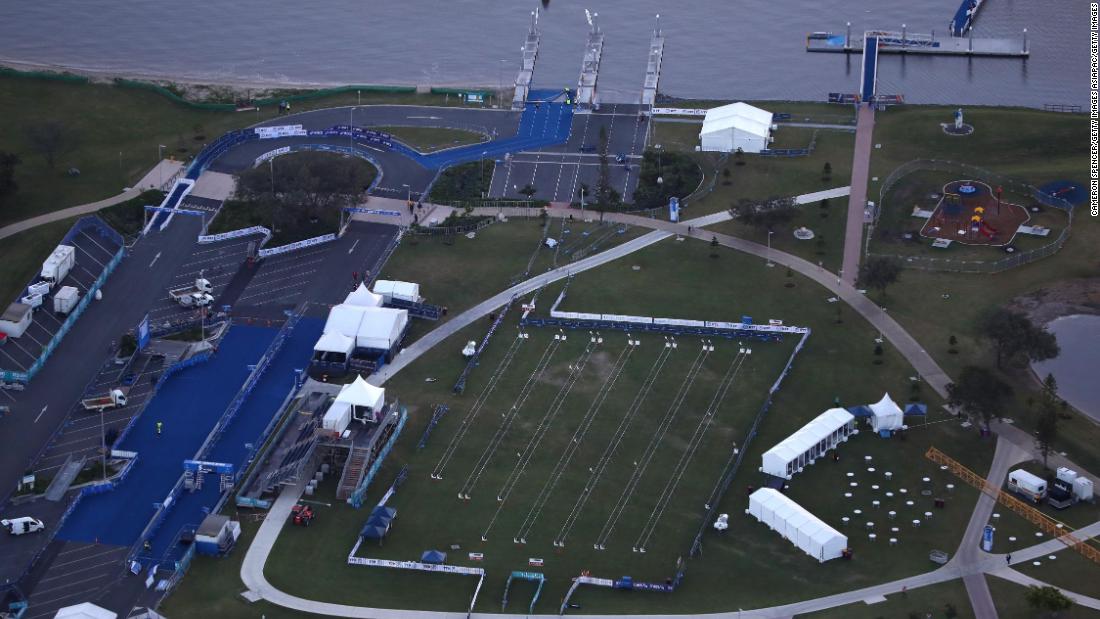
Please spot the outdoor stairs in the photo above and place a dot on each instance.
(354, 468)
(64, 478)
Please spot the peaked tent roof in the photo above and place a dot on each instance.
(85, 610)
(740, 116)
(886, 414)
(362, 393)
(433, 556)
(334, 341)
(363, 297)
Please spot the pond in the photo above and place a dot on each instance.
(1076, 368)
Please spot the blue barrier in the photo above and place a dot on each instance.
(460, 384)
(964, 17)
(356, 499)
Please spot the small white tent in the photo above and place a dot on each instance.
(404, 291)
(334, 342)
(793, 522)
(86, 610)
(886, 415)
(809, 443)
(358, 400)
(363, 297)
(733, 126)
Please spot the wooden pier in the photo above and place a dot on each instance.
(913, 43)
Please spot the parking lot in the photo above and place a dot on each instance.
(93, 252)
(322, 274)
(557, 172)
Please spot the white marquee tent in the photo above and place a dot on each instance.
(86, 610)
(809, 443)
(737, 125)
(886, 415)
(357, 400)
(377, 328)
(334, 341)
(404, 291)
(794, 523)
(363, 297)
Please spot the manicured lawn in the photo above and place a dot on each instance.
(930, 601)
(1009, 599)
(129, 216)
(431, 139)
(23, 256)
(749, 566)
(115, 133)
(1069, 570)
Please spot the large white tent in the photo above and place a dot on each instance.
(357, 400)
(404, 291)
(363, 297)
(793, 522)
(85, 610)
(737, 125)
(334, 342)
(886, 415)
(809, 443)
(377, 328)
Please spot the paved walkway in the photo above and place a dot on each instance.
(1012, 575)
(165, 169)
(861, 167)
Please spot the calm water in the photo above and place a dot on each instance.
(751, 49)
(1078, 366)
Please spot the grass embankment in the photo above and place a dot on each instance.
(748, 567)
(111, 134)
(432, 139)
(129, 216)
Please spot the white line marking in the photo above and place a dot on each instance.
(155, 258)
(353, 246)
(41, 412)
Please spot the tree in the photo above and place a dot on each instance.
(528, 190)
(978, 392)
(878, 354)
(827, 172)
(51, 139)
(951, 343)
(1015, 337)
(714, 247)
(1047, 598)
(1046, 426)
(772, 212)
(8, 186)
(606, 196)
(879, 273)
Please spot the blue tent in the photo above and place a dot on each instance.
(916, 408)
(433, 556)
(372, 532)
(860, 411)
(382, 510)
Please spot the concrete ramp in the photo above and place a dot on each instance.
(64, 478)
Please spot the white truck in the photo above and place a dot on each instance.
(1028, 485)
(59, 263)
(111, 399)
(195, 295)
(64, 300)
(23, 524)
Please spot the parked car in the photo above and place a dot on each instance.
(24, 524)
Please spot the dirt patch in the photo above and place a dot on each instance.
(1078, 296)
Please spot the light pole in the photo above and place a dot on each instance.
(408, 195)
(160, 157)
(103, 444)
(500, 80)
(770, 233)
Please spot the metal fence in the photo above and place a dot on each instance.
(1011, 261)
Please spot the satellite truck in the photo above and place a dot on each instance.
(111, 399)
(195, 295)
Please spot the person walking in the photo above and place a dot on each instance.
(1008, 559)
(160, 427)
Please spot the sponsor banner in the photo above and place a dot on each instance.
(372, 211)
(271, 154)
(317, 240)
(679, 322)
(233, 234)
(592, 580)
(534, 562)
(143, 332)
(477, 556)
(279, 131)
(416, 565)
(674, 209)
(678, 111)
(178, 211)
(775, 323)
(625, 318)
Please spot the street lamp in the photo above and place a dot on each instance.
(408, 195)
(770, 233)
(160, 158)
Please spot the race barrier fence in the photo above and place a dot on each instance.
(356, 499)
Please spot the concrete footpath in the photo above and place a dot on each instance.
(161, 174)
(857, 201)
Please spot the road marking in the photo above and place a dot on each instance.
(425, 117)
(40, 413)
(155, 258)
(353, 246)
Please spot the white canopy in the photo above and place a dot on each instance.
(733, 126)
(361, 393)
(807, 443)
(886, 415)
(334, 341)
(377, 328)
(363, 297)
(359, 400)
(794, 523)
(86, 610)
(344, 319)
(404, 291)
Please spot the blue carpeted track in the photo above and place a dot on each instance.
(190, 404)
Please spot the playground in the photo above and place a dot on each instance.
(973, 213)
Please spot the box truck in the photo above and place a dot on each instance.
(1028, 485)
(64, 300)
(58, 264)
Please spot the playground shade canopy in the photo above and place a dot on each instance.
(404, 291)
(794, 523)
(733, 126)
(885, 415)
(363, 298)
(808, 443)
(85, 610)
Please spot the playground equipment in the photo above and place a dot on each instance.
(1047, 524)
(531, 576)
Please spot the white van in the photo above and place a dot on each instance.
(19, 526)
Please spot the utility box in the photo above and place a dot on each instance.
(65, 299)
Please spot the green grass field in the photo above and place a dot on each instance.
(1008, 597)
(930, 601)
(431, 139)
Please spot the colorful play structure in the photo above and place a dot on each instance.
(965, 212)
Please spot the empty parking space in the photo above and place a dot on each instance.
(216, 262)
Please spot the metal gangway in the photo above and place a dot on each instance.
(587, 98)
(868, 80)
(653, 69)
(527, 69)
